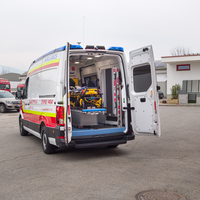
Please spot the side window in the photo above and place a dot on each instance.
(48, 83)
(25, 93)
(34, 85)
(142, 78)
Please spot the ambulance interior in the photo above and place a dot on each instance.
(96, 82)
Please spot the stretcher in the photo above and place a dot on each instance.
(86, 97)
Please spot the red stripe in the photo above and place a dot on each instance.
(44, 67)
(49, 121)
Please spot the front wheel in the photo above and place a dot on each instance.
(23, 132)
(46, 146)
(2, 108)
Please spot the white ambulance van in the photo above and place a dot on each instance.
(90, 97)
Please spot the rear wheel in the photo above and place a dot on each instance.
(23, 132)
(2, 108)
(46, 146)
(113, 146)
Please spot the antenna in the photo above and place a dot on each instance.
(83, 28)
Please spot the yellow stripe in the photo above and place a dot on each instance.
(44, 64)
(50, 62)
(39, 112)
(39, 66)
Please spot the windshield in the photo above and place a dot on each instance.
(20, 88)
(6, 95)
(4, 86)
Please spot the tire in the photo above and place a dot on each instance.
(112, 146)
(2, 108)
(22, 131)
(17, 110)
(46, 146)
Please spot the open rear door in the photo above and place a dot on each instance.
(66, 97)
(143, 92)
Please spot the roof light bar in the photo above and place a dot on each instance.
(100, 47)
(116, 49)
(89, 47)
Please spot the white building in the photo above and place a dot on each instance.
(183, 70)
(161, 73)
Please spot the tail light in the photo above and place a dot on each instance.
(99, 91)
(60, 115)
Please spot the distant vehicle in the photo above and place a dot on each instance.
(8, 102)
(19, 92)
(5, 85)
(20, 87)
(161, 95)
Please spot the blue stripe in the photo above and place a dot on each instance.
(94, 110)
(85, 132)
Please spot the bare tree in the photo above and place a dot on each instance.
(180, 50)
(4, 71)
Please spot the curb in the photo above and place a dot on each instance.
(180, 105)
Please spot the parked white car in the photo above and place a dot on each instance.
(8, 102)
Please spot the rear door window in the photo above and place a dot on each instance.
(142, 78)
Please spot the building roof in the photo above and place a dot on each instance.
(10, 76)
(181, 58)
(197, 54)
(159, 63)
(24, 74)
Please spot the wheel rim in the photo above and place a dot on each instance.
(44, 141)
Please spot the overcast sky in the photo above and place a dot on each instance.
(31, 28)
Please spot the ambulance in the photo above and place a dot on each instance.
(128, 93)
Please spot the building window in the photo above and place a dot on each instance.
(183, 67)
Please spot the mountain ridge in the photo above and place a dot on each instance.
(7, 69)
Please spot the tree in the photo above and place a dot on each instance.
(4, 71)
(175, 91)
(180, 50)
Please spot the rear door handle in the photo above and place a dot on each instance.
(129, 108)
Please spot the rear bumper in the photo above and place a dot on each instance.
(90, 140)
(101, 140)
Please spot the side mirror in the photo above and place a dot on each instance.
(18, 94)
(158, 87)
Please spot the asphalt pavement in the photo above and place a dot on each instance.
(170, 163)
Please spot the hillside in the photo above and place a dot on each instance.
(6, 69)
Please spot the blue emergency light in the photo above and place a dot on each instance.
(72, 46)
(75, 46)
(116, 49)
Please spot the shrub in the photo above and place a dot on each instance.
(175, 91)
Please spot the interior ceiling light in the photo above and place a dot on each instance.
(97, 56)
(89, 58)
(77, 62)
